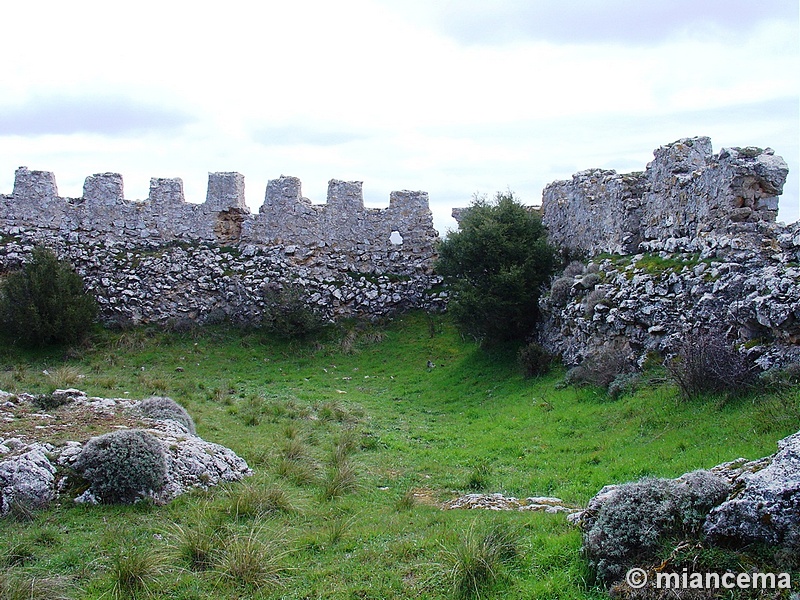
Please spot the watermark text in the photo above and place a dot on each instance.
(638, 578)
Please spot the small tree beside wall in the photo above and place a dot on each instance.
(45, 302)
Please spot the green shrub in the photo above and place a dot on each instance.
(636, 519)
(534, 360)
(288, 314)
(159, 407)
(495, 267)
(45, 302)
(123, 466)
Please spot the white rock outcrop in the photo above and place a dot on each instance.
(33, 473)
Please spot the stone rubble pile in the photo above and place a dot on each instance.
(500, 502)
(649, 303)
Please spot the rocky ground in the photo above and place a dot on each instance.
(42, 436)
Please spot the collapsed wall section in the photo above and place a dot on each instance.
(687, 198)
(694, 247)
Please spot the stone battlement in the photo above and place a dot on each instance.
(286, 217)
(686, 198)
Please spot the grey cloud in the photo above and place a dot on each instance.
(291, 135)
(105, 115)
(605, 21)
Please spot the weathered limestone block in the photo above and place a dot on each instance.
(282, 193)
(686, 199)
(165, 192)
(104, 189)
(345, 196)
(225, 192)
(27, 479)
(32, 186)
(766, 506)
(597, 211)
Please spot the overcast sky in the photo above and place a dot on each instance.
(454, 97)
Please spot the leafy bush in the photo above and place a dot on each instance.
(635, 519)
(288, 314)
(708, 363)
(495, 267)
(123, 466)
(534, 360)
(45, 302)
(159, 407)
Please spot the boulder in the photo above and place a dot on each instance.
(766, 504)
(27, 478)
(33, 473)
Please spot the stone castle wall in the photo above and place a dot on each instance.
(694, 246)
(164, 259)
(687, 197)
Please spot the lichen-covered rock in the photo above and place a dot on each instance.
(733, 504)
(766, 505)
(195, 463)
(27, 477)
(628, 522)
(162, 408)
(33, 474)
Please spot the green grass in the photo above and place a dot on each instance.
(352, 444)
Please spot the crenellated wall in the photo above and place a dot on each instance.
(163, 258)
(285, 217)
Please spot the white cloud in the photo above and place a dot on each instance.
(388, 93)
